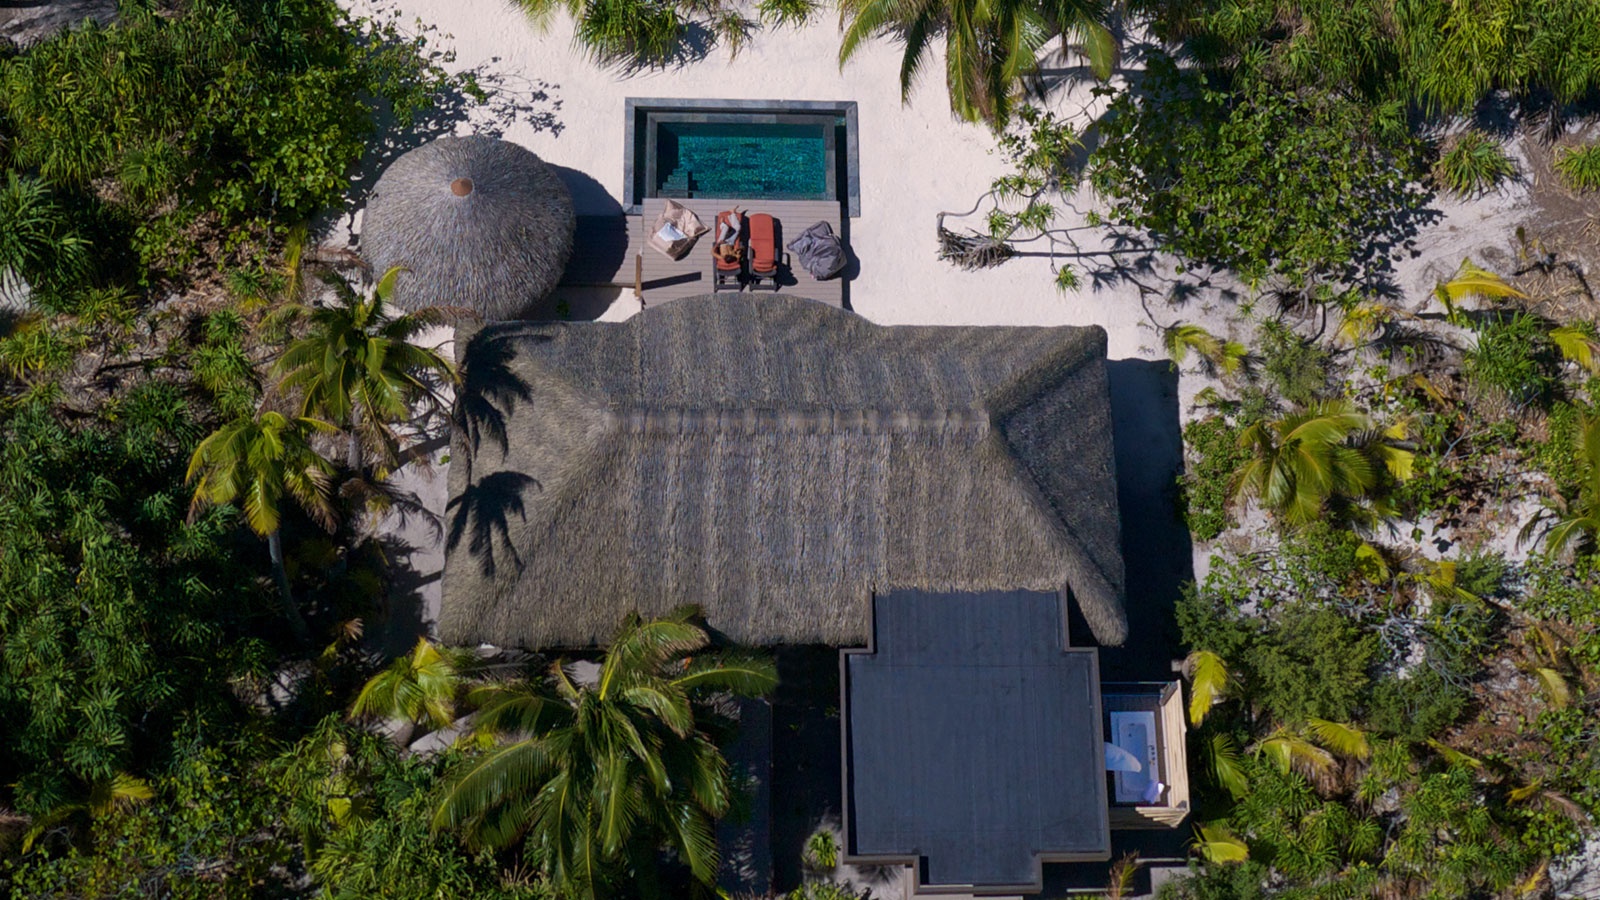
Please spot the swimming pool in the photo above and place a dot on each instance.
(742, 150)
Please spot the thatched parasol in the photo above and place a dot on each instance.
(478, 222)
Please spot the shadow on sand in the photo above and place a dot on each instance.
(1156, 549)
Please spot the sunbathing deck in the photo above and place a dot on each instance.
(599, 261)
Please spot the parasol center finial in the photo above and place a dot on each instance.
(461, 187)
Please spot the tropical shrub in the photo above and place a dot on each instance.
(40, 245)
(361, 816)
(1514, 359)
(238, 109)
(208, 832)
(1298, 186)
(1212, 448)
(1415, 707)
(1579, 167)
(1435, 54)
(1294, 368)
(1472, 163)
(1311, 663)
(1557, 455)
(121, 616)
(1572, 518)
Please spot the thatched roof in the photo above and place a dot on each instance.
(778, 461)
(479, 222)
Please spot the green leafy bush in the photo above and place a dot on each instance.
(1579, 167)
(1557, 454)
(1296, 369)
(1435, 55)
(1472, 163)
(1311, 663)
(1515, 359)
(1293, 184)
(237, 109)
(39, 243)
(1415, 708)
(121, 616)
(1203, 490)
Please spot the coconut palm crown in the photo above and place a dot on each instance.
(256, 462)
(991, 49)
(1327, 452)
(596, 776)
(357, 368)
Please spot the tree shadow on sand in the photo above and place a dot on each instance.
(492, 102)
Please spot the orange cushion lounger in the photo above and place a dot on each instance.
(763, 249)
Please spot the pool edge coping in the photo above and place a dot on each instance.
(632, 205)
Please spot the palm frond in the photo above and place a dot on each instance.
(1208, 682)
(1219, 845)
(1345, 740)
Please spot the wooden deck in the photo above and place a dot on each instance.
(608, 252)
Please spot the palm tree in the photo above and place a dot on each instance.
(1216, 354)
(419, 687)
(1574, 520)
(1325, 452)
(256, 462)
(357, 368)
(103, 797)
(990, 48)
(600, 773)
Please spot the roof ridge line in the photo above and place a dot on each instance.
(763, 420)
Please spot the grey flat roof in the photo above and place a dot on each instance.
(973, 739)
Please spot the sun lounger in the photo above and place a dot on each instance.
(729, 231)
(764, 235)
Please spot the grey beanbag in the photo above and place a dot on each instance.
(819, 251)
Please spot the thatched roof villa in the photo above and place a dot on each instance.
(778, 461)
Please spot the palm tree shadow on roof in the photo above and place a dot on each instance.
(490, 390)
(484, 509)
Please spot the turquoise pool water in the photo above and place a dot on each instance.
(778, 161)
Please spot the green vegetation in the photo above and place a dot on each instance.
(1289, 185)
(226, 113)
(1579, 167)
(380, 375)
(647, 33)
(191, 711)
(1514, 359)
(593, 779)
(992, 49)
(121, 618)
(1472, 163)
(1214, 456)
(1438, 55)
(1321, 461)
